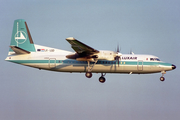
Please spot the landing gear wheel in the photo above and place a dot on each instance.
(162, 78)
(88, 74)
(102, 79)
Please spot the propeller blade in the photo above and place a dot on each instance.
(118, 48)
(117, 54)
(118, 61)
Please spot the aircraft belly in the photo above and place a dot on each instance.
(71, 68)
(37, 65)
(97, 68)
(61, 67)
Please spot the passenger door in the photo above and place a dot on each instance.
(52, 62)
(140, 65)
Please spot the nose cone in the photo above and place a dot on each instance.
(173, 66)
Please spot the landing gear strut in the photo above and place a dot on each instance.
(102, 79)
(88, 73)
(162, 77)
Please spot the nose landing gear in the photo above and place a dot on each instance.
(162, 77)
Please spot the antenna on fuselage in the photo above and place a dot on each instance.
(131, 52)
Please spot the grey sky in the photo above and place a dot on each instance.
(145, 26)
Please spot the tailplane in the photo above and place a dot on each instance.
(21, 39)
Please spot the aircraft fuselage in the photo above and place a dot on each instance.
(55, 60)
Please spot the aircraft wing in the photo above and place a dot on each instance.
(80, 47)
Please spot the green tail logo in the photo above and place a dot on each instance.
(21, 36)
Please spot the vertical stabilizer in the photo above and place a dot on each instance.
(21, 36)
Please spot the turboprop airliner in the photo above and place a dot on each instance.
(84, 59)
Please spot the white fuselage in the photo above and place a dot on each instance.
(55, 60)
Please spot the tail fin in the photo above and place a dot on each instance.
(21, 36)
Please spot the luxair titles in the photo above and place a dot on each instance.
(129, 58)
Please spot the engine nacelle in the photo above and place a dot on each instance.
(106, 55)
(85, 59)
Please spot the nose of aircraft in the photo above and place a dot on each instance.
(173, 66)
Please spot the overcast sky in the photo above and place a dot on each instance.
(143, 26)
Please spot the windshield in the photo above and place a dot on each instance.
(154, 59)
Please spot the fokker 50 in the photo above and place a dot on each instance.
(85, 58)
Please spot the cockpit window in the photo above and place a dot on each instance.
(158, 59)
(154, 59)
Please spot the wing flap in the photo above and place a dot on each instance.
(19, 50)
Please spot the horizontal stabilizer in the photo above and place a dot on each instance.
(19, 50)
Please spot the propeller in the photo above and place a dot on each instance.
(118, 54)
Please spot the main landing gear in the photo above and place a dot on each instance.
(89, 74)
(102, 79)
(162, 77)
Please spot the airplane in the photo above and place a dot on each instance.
(85, 59)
